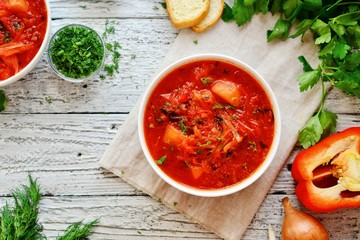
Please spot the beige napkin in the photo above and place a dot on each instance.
(277, 62)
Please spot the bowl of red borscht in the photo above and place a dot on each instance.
(24, 34)
(209, 125)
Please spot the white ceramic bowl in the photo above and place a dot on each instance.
(233, 188)
(36, 58)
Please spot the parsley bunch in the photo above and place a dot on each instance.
(21, 221)
(336, 30)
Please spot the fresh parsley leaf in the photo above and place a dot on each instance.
(302, 27)
(306, 65)
(3, 101)
(242, 13)
(323, 30)
(290, 7)
(311, 132)
(276, 6)
(308, 79)
(261, 6)
(328, 48)
(163, 4)
(249, 2)
(352, 61)
(340, 50)
(161, 160)
(281, 30)
(227, 14)
(346, 19)
(349, 82)
(340, 30)
(328, 122)
(353, 36)
(312, 5)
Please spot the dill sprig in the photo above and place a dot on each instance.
(20, 222)
(78, 231)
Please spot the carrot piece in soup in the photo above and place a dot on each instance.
(196, 172)
(228, 91)
(5, 72)
(12, 63)
(173, 136)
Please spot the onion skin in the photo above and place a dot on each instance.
(298, 225)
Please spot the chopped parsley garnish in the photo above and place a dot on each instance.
(195, 41)
(205, 144)
(252, 145)
(113, 50)
(48, 100)
(218, 105)
(206, 80)
(182, 126)
(161, 160)
(76, 51)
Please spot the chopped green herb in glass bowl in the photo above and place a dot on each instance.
(76, 52)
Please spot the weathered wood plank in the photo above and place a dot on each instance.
(109, 9)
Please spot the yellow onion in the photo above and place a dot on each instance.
(298, 225)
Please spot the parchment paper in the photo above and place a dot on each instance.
(277, 62)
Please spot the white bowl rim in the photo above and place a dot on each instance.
(32, 64)
(235, 187)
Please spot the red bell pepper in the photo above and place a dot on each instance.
(328, 173)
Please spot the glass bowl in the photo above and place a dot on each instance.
(76, 53)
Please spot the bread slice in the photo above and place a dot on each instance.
(215, 12)
(187, 13)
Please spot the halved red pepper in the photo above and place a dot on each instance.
(328, 173)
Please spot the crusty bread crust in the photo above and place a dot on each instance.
(214, 15)
(186, 22)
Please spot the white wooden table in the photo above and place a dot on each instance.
(57, 131)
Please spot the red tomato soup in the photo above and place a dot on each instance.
(209, 124)
(22, 30)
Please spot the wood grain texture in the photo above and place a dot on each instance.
(57, 131)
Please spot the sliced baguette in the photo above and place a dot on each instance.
(216, 9)
(187, 13)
